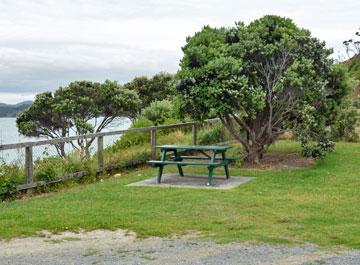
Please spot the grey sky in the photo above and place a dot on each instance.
(45, 44)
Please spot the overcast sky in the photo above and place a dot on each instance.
(45, 44)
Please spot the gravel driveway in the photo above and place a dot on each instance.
(119, 247)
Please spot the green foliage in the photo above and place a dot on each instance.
(354, 67)
(158, 87)
(45, 172)
(7, 189)
(317, 150)
(341, 114)
(73, 163)
(73, 107)
(263, 79)
(211, 135)
(354, 70)
(346, 122)
(8, 177)
(134, 138)
(171, 121)
(158, 111)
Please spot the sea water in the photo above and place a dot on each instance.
(9, 135)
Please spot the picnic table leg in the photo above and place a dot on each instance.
(161, 167)
(226, 165)
(181, 173)
(211, 169)
(176, 158)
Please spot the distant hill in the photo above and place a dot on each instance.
(8, 110)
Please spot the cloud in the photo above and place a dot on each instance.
(45, 44)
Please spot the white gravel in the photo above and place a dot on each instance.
(119, 247)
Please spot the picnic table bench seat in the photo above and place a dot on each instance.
(185, 163)
(211, 161)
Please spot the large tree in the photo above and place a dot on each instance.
(260, 79)
(79, 108)
(158, 87)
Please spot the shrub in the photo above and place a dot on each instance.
(212, 135)
(170, 121)
(45, 172)
(133, 138)
(158, 111)
(73, 163)
(317, 150)
(8, 189)
(344, 127)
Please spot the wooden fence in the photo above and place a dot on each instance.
(28, 146)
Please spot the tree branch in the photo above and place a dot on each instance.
(226, 121)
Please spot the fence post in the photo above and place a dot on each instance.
(194, 133)
(153, 143)
(100, 153)
(29, 166)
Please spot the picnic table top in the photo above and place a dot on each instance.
(195, 147)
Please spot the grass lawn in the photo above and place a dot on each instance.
(319, 204)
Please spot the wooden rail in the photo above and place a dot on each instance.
(28, 146)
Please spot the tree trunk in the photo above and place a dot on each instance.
(254, 154)
(255, 137)
(60, 148)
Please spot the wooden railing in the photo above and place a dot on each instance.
(28, 146)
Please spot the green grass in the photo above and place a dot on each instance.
(319, 204)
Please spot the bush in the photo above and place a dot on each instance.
(133, 138)
(212, 135)
(171, 121)
(317, 150)
(158, 111)
(45, 172)
(8, 189)
(73, 163)
(344, 127)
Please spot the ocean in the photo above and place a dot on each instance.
(9, 135)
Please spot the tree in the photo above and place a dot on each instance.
(158, 87)
(345, 114)
(158, 111)
(352, 46)
(260, 79)
(81, 107)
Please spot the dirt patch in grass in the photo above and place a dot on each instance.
(280, 160)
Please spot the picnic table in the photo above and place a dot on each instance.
(217, 158)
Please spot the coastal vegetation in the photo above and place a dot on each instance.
(276, 94)
(261, 80)
(70, 109)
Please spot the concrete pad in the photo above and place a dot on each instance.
(193, 181)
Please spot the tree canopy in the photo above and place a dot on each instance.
(261, 79)
(158, 87)
(79, 108)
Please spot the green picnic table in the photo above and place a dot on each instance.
(211, 161)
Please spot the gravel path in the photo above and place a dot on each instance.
(118, 247)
